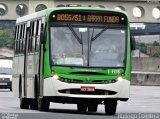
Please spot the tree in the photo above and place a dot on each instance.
(141, 46)
(7, 29)
(155, 43)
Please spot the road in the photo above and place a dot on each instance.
(143, 99)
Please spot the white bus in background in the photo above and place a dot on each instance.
(6, 74)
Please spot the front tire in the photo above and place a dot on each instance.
(43, 105)
(24, 102)
(110, 107)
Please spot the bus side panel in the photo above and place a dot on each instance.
(15, 77)
(21, 71)
(32, 70)
(35, 59)
(30, 75)
(18, 70)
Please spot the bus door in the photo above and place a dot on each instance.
(33, 59)
(37, 60)
(41, 57)
(29, 68)
(26, 81)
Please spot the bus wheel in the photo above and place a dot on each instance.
(110, 107)
(92, 107)
(24, 103)
(81, 107)
(34, 105)
(43, 105)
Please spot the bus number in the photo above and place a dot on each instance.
(69, 17)
(115, 71)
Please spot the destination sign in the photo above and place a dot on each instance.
(88, 18)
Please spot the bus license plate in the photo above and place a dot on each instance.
(3, 83)
(87, 89)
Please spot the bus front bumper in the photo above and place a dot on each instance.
(119, 89)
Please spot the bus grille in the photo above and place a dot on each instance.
(96, 92)
(87, 82)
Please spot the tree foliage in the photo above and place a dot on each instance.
(155, 43)
(7, 29)
(143, 48)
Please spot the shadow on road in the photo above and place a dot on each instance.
(70, 111)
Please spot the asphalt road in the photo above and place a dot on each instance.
(143, 99)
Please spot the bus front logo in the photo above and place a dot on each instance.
(87, 79)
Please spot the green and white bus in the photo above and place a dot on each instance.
(72, 55)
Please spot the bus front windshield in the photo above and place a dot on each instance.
(88, 45)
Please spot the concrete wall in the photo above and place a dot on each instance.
(128, 5)
(145, 79)
(146, 64)
(145, 71)
(34, 3)
(11, 8)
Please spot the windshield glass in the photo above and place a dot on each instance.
(5, 70)
(88, 46)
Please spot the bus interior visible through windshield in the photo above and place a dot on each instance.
(88, 45)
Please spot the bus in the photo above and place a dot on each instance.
(74, 55)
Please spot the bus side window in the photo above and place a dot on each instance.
(30, 37)
(24, 37)
(38, 31)
(34, 36)
(37, 26)
(15, 42)
(21, 31)
(20, 39)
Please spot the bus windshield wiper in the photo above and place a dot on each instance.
(98, 34)
(74, 33)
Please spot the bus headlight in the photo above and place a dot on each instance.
(55, 77)
(119, 78)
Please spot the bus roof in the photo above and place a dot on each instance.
(45, 12)
(35, 15)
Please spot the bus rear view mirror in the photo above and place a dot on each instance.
(133, 43)
(42, 37)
